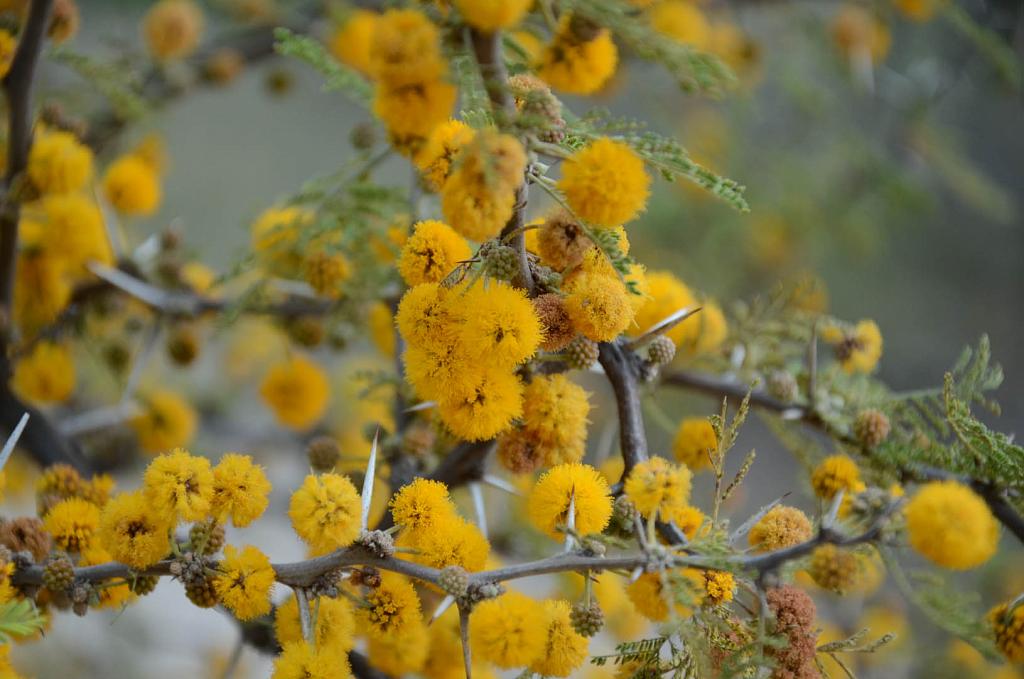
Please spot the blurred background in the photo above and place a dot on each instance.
(898, 184)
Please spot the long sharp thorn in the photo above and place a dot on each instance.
(570, 522)
(467, 657)
(424, 405)
(12, 440)
(635, 575)
(371, 470)
(442, 607)
(500, 484)
(476, 491)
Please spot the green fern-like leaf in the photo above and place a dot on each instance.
(338, 76)
(19, 618)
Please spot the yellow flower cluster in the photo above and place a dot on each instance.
(658, 488)
(508, 631)
(554, 423)
(657, 595)
(699, 334)
(431, 252)
(463, 345)
(437, 157)
(297, 391)
(479, 195)
(605, 183)
(580, 59)
(836, 473)
(1008, 628)
(325, 512)
(573, 485)
(780, 527)
(951, 526)
(132, 185)
(46, 374)
(694, 443)
(166, 421)
(431, 526)
(172, 29)
(859, 348)
(244, 582)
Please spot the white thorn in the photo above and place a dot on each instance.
(442, 607)
(423, 405)
(833, 511)
(371, 470)
(12, 440)
(500, 484)
(98, 418)
(570, 521)
(476, 492)
(663, 326)
(635, 575)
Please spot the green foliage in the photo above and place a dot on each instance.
(113, 79)
(338, 76)
(19, 618)
(644, 652)
(662, 153)
(694, 71)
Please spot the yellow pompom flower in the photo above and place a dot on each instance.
(687, 518)
(580, 485)
(565, 649)
(132, 532)
(405, 49)
(455, 542)
(719, 586)
(950, 525)
(436, 158)
(666, 295)
(509, 631)
(172, 29)
(46, 374)
(299, 660)
(8, 44)
(274, 236)
(70, 226)
(858, 349)
(483, 407)
(443, 372)
(431, 252)
(503, 328)
(325, 512)
(58, 162)
(198, 276)
(413, 111)
(326, 271)
(713, 328)
(179, 485)
(167, 421)
(1008, 629)
(682, 21)
(780, 527)
(477, 213)
(598, 306)
(132, 186)
(834, 568)
(402, 654)
(297, 391)
(578, 64)
(422, 505)
(656, 486)
(351, 42)
(391, 608)
(694, 443)
(382, 328)
(244, 582)
(651, 592)
(335, 623)
(555, 415)
(72, 523)
(836, 473)
(428, 316)
(605, 183)
(240, 489)
(492, 15)
(41, 290)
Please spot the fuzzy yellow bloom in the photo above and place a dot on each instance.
(682, 21)
(484, 407)
(132, 532)
(509, 631)
(431, 252)
(69, 226)
(666, 295)
(858, 349)
(422, 505)
(713, 328)
(335, 623)
(780, 527)
(326, 271)
(439, 153)
(8, 43)
(441, 372)
(240, 489)
(652, 593)
(167, 421)
(578, 485)
(198, 276)
(58, 162)
(455, 542)
(274, 235)
(834, 568)
(429, 316)
(382, 328)
(132, 186)
(46, 374)
(244, 582)
(475, 212)
(391, 608)
(599, 306)
(555, 416)
(41, 290)
(605, 183)
(400, 654)
(951, 526)
(444, 657)
(179, 485)
(492, 15)
(578, 64)
(72, 523)
(836, 473)
(1008, 628)
(299, 660)
(719, 586)
(414, 110)
(405, 49)
(565, 649)
(656, 486)
(325, 512)
(172, 29)
(689, 519)
(297, 391)
(351, 41)
(694, 443)
(503, 328)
